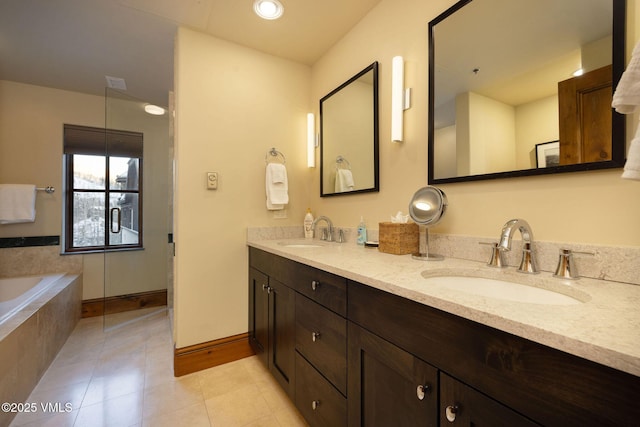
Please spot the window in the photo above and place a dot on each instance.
(103, 183)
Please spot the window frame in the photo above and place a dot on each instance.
(84, 140)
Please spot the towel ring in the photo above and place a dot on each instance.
(341, 161)
(274, 153)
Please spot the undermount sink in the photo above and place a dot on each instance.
(300, 244)
(501, 289)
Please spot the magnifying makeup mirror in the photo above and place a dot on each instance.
(426, 208)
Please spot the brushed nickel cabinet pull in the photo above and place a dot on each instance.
(451, 412)
(422, 390)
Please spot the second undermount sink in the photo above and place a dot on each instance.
(301, 244)
(501, 289)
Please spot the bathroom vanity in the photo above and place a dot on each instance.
(355, 338)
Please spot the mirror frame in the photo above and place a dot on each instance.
(618, 137)
(376, 155)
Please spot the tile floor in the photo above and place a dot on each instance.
(124, 377)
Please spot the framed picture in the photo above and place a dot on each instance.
(548, 154)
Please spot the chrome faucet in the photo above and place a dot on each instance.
(527, 264)
(329, 236)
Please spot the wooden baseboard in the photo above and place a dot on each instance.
(120, 303)
(197, 357)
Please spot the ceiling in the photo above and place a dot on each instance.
(74, 44)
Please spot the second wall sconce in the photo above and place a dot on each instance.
(311, 140)
(400, 99)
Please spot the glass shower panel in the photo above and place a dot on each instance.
(139, 190)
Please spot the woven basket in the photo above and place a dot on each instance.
(398, 239)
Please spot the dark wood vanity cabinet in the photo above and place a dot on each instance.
(259, 314)
(387, 385)
(272, 326)
(391, 387)
(307, 334)
(495, 378)
(355, 355)
(321, 346)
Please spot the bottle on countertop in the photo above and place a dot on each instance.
(308, 225)
(362, 232)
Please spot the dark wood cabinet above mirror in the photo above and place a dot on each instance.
(503, 100)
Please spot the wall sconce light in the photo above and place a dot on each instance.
(311, 140)
(400, 98)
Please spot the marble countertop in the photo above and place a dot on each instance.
(604, 327)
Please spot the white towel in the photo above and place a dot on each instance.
(626, 98)
(632, 166)
(344, 181)
(17, 203)
(277, 186)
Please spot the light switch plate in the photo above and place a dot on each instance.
(212, 180)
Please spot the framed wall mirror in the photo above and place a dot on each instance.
(502, 84)
(349, 136)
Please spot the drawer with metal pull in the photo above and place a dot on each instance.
(321, 337)
(317, 400)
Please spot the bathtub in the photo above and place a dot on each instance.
(37, 315)
(16, 292)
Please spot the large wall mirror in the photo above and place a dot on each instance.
(349, 136)
(503, 97)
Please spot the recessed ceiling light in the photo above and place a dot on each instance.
(268, 9)
(578, 72)
(154, 110)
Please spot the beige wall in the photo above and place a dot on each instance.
(492, 129)
(232, 105)
(31, 132)
(536, 122)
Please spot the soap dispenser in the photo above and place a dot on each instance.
(362, 232)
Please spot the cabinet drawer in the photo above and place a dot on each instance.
(317, 400)
(321, 336)
(324, 288)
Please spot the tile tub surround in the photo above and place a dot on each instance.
(31, 339)
(605, 329)
(28, 261)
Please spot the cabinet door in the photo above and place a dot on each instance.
(387, 385)
(259, 314)
(461, 405)
(282, 334)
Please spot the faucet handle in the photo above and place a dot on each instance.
(528, 263)
(497, 256)
(329, 234)
(566, 268)
(340, 238)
